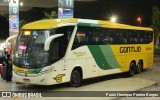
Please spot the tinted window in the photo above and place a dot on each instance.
(59, 45)
(106, 36)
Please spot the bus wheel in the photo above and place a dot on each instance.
(75, 79)
(139, 67)
(132, 69)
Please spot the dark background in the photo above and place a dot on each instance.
(126, 11)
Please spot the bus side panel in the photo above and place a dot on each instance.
(92, 68)
(105, 59)
(147, 50)
(127, 53)
(57, 75)
(98, 60)
(78, 58)
(72, 64)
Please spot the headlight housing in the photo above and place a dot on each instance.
(45, 71)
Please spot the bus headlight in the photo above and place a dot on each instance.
(45, 71)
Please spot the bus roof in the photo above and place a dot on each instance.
(54, 23)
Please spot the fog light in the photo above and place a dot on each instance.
(42, 80)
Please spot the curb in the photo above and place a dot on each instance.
(156, 55)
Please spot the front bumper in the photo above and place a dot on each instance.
(44, 79)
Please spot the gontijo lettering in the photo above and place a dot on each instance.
(130, 49)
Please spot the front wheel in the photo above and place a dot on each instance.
(75, 79)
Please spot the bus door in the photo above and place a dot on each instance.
(58, 48)
(57, 51)
(92, 68)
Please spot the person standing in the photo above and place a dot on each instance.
(4, 64)
(9, 69)
(3, 52)
(8, 63)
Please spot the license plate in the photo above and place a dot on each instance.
(26, 80)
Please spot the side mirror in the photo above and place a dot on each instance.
(48, 41)
(9, 38)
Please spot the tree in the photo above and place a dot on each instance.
(156, 24)
(50, 15)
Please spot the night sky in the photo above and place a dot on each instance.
(126, 11)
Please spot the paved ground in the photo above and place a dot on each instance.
(151, 74)
(146, 81)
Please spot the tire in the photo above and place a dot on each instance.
(139, 67)
(75, 79)
(132, 69)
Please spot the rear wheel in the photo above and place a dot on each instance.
(132, 69)
(75, 79)
(139, 67)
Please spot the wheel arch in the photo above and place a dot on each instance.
(79, 69)
(140, 60)
(76, 76)
(133, 61)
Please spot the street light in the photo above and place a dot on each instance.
(139, 19)
(113, 19)
(21, 4)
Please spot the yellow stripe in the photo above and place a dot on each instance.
(17, 69)
(48, 23)
(53, 23)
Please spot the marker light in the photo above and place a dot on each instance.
(22, 47)
(81, 35)
(27, 33)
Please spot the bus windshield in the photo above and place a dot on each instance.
(30, 51)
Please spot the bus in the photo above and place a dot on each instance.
(55, 51)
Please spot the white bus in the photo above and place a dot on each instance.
(55, 51)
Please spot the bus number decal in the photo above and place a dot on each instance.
(58, 78)
(149, 48)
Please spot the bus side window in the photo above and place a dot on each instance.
(112, 36)
(140, 37)
(149, 37)
(108, 39)
(126, 36)
(133, 37)
(95, 38)
(122, 39)
(81, 37)
(96, 35)
(59, 45)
